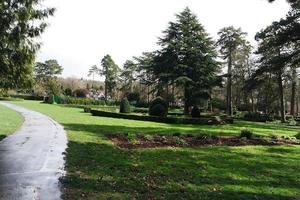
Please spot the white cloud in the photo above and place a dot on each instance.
(83, 31)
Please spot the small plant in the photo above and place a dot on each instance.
(124, 106)
(297, 136)
(246, 133)
(195, 113)
(87, 109)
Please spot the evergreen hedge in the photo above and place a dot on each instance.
(170, 120)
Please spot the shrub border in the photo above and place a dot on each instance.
(169, 120)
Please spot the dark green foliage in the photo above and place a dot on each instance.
(195, 113)
(110, 72)
(124, 106)
(81, 93)
(158, 107)
(21, 21)
(45, 75)
(297, 136)
(187, 58)
(84, 101)
(245, 133)
(140, 110)
(158, 110)
(169, 120)
(257, 117)
(28, 97)
(51, 99)
(87, 109)
(133, 96)
(218, 103)
(68, 92)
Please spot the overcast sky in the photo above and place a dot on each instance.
(83, 31)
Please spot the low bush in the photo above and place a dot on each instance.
(158, 110)
(87, 109)
(245, 133)
(257, 117)
(158, 107)
(124, 106)
(140, 110)
(170, 120)
(10, 99)
(83, 101)
(195, 113)
(297, 136)
(28, 97)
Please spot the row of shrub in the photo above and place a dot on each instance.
(77, 101)
(170, 120)
(258, 117)
(27, 97)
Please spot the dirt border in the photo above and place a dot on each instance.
(141, 141)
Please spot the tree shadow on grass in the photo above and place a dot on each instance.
(170, 129)
(102, 171)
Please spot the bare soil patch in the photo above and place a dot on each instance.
(142, 141)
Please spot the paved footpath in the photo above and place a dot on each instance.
(32, 159)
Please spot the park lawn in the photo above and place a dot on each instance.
(10, 121)
(96, 169)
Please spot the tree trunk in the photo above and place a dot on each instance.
(173, 93)
(252, 102)
(186, 101)
(281, 96)
(105, 90)
(297, 106)
(229, 87)
(293, 94)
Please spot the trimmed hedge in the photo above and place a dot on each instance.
(83, 101)
(27, 97)
(169, 120)
(124, 106)
(257, 117)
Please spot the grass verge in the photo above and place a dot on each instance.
(10, 121)
(99, 170)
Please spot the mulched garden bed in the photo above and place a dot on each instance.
(142, 141)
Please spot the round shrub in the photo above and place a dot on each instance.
(297, 136)
(124, 106)
(158, 110)
(87, 109)
(158, 107)
(245, 133)
(195, 113)
(81, 93)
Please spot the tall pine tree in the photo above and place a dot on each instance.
(188, 56)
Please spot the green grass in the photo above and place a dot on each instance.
(99, 170)
(10, 121)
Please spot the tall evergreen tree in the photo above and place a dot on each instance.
(128, 75)
(188, 56)
(21, 21)
(46, 76)
(92, 72)
(110, 71)
(230, 40)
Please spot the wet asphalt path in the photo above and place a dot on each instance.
(32, 160)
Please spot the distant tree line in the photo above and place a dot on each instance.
(186, 69)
